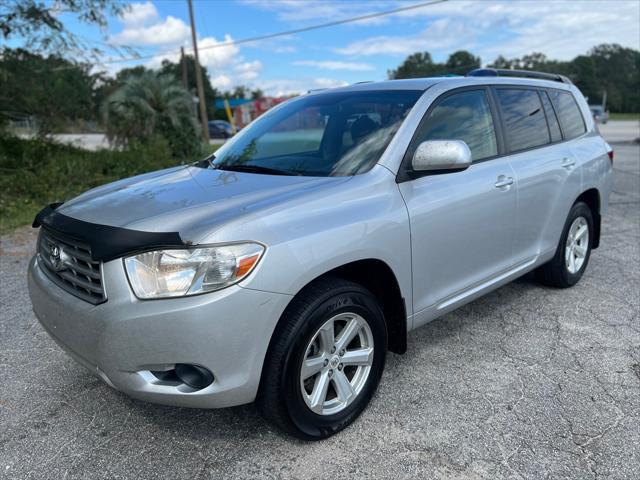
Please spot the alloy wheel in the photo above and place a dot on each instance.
(577, 245)
(337, 363)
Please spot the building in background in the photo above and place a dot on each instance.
(246, 110)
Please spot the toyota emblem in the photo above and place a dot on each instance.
(55, 257)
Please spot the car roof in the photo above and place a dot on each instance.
(427, 82)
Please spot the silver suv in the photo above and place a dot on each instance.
(283, 268)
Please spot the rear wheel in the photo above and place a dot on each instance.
(572, 254)
(325, 360)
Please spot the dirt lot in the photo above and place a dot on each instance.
(528, 382)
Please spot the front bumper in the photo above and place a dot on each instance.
(124, 339)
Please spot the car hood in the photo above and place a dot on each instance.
(189, 200)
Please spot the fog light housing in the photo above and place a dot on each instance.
(194, 376)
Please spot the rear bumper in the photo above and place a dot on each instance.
(124, 339)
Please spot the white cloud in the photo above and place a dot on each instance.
(441, 34)
(285, 49)
(144, 27)
(213, 55)
(225, 65)
(296, 11)
(336, 65)
(221, 81)
(170, 31)
(247, 72)
(238, 73)
(292, 86)
(561, 30)
(139, 13)
(565, 34)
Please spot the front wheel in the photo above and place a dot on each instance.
(325, 360)
(572, 255)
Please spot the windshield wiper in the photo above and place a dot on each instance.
(253, 169)
(205, 162)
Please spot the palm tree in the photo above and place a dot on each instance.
(150, 105)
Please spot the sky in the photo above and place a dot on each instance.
(359, 51)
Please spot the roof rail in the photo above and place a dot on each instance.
(503, 72)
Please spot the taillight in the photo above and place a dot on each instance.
(610, 153)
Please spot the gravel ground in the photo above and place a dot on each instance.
(527, 382)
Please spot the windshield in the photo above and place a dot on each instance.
(327, 134)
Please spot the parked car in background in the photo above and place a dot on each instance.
(283, 268)
(600, 115)
(220, 129)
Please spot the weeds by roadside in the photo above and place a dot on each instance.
(624, 116)
(34, 173)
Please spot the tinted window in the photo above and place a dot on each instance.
(552, 120)
(464, 116)
(569, 113)
(326, 134)
(524, 119)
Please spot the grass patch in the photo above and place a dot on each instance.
(34, 173)
(624, 116)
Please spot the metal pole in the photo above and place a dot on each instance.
(227, 109)
(201, 100)
(183, 64)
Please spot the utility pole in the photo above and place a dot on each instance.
(183, 64)
(203, 108)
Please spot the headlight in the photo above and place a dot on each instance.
(176, 273)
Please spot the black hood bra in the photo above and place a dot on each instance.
(105, 242)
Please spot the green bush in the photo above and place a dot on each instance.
(34, 173)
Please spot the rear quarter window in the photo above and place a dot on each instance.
(569, 113)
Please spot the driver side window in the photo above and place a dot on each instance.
(463, 116)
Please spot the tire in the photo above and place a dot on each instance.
(559, 272)
(284, 398)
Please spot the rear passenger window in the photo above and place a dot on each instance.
(552, 120)
(525, 123)
(569, 113)
(464, 116)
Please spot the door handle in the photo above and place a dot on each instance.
(568, 163)
(504, 181)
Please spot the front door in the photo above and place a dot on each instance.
(462, 223)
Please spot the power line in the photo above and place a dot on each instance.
(291, 32)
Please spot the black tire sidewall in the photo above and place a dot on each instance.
(310, 425)
(578, 210)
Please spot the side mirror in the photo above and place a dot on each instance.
(441, 155)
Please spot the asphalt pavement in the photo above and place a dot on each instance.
(620, 130)
(527, 382)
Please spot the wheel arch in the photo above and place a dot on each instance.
(592, 198)
(376, 276)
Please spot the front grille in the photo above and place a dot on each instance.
(68, 263)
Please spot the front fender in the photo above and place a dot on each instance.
(364, 218)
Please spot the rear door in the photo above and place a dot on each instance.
(544, 165)
(462, 223)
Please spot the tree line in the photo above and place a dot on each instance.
(60, 94)
(608, 68)
(65, 95)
